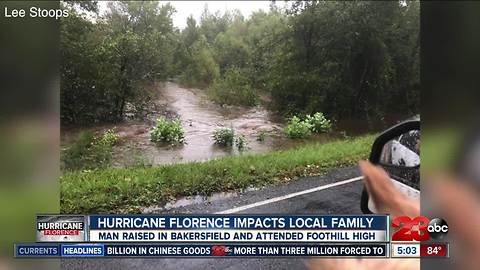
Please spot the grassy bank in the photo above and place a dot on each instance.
(118, 190)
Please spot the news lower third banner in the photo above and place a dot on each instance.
(226, 228)
(209, 235)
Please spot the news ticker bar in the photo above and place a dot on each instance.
(213, 228)
(385, 250)
(39, 250)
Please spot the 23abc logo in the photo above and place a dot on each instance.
(418, 229)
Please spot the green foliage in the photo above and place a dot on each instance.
(231, 50)
(233, 89)
(202, 69)
(109, 138)
(340, 58)
(312, 56)
(224, 136)
(330, 62)
(108, 66)
(196, 64)
(298, 129)
(241, 142)
(126, 190)
(90, 151)
(168, 131)
(318, 123)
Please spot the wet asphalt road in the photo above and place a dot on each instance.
(342, 199)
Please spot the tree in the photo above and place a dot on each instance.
(213, 24)
(201, 68)
(108, 65)
(78, 70)
(231, 49)
(342, 58)
(356, 59)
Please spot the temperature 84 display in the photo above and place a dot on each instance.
(434, 250)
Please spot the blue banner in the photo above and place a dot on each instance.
(238, 222)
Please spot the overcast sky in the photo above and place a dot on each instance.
(195, 8)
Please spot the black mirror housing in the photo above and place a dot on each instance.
(376, 154)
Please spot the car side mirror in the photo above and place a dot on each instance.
(397, 150)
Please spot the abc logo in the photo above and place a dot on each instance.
(418, 229)
(437, 228)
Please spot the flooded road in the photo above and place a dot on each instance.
(200, 117)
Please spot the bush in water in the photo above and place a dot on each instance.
(168, 131)
(319, 123)
(224, 136)
(297, 129)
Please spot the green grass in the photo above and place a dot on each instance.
(125, 190)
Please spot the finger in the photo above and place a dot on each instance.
(369, 175)
(366, 169)
(384, 194)
(375, 178)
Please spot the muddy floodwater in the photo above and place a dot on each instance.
(200, 117)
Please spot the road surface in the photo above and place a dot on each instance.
(337, 192)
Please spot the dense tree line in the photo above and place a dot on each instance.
(110, 63)
(347, 59)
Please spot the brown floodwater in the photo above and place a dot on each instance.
(200, 118)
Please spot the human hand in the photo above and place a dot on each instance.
(387, 198)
